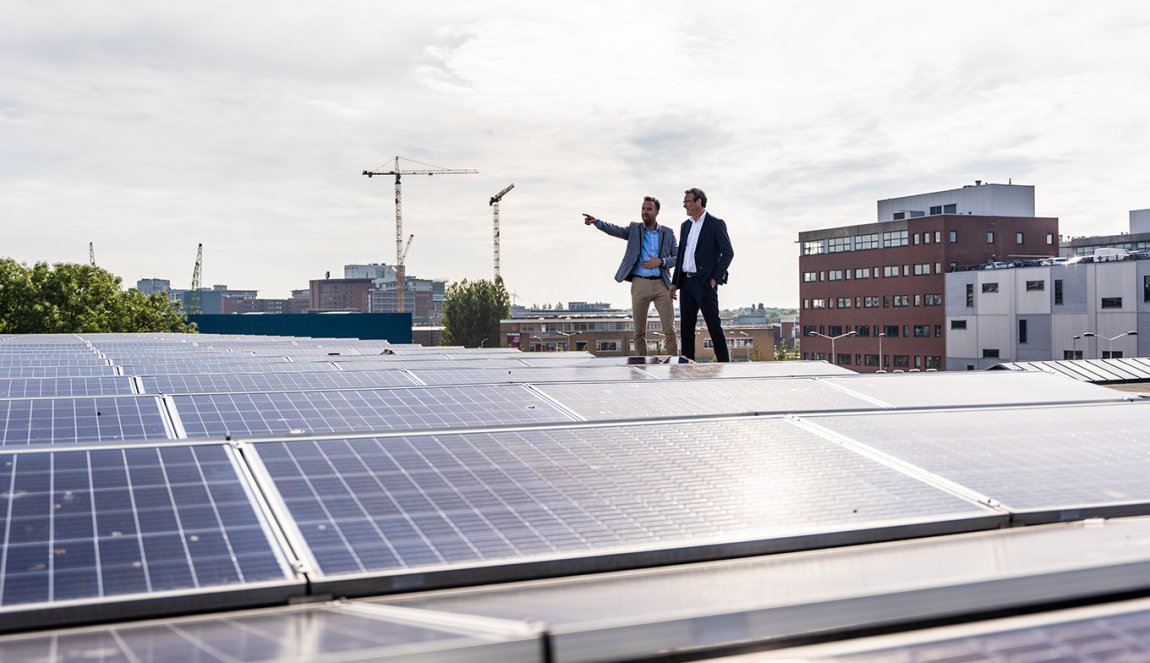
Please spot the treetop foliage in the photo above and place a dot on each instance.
(472, 311)
(70, 298)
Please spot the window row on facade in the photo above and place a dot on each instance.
(874, 301)
(895, 362)
(862, 273)
(896, 238)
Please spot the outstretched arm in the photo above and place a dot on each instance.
(609, 228)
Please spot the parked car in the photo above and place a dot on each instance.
(1046, 262)
(997, 265)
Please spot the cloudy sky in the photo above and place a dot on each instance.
(149, 127)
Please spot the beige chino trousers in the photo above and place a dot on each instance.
(645, 292)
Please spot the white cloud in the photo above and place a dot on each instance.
(148, 128)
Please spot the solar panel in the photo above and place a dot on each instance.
(422, 503)
(639, 614)
(683, 398)
(250, 382)
(199, 368)
(56, 371)
(283, 413)
(952, 389)
(1029, 459)
(83, 524)
(758, 369)
(1118, 632)
(314, 633)
(35, 421)
(386, 363)
(525, 375)
(49, 387)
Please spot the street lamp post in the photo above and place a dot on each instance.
(832, 339)
(881, 363)
(1110, 341)
(568, 336)
(1074, 344)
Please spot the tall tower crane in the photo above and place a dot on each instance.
(196, 297)
(400, 253)
(495, 228)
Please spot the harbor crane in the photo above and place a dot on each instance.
(495, 228)
(400, 251)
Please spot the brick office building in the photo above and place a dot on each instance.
(885, 281)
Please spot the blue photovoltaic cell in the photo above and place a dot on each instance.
(49, 387)
(250, 382)
(107, 522)
(83, 419)
(387, 504)
(279, 413)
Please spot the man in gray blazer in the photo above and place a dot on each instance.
(647, 263)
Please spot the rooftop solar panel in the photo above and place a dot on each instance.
(327, 633)
(1050, 461)
(742, 370)
(46, 421)
(684, 398)
(639, 614)
(88, 524)
(48, 387)
(392, 363)
(1117, 632)
(58, 371)
(198, 368)
(425, 503)
(252, 382)
(284, 413)
(953, 389)
(525, 375)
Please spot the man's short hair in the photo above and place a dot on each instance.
(699, 196)
(652, 199)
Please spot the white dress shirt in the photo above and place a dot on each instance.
(692, 242)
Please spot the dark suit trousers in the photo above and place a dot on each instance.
(697, 295)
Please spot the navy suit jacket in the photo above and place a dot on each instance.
(713, 251)
(633, 233)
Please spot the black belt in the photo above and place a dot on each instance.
(689, 274)
(652, 278)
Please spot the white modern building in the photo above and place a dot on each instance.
(1084, 310)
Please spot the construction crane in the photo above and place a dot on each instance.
(91, 254)
(495, 228)
(400, 253)
(195, 297)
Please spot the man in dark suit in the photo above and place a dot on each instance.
(701, 265)
(647, 264)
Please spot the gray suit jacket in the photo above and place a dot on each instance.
(633, 233)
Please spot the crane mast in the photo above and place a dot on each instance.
(495, 224)
(196, 297)
(400, 253)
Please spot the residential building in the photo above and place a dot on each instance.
(878, 289)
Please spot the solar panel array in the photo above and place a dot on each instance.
(150, 475)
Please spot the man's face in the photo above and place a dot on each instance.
(648, 212)
(694, 207)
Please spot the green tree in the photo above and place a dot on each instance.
(69, 298)
(472, 311)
